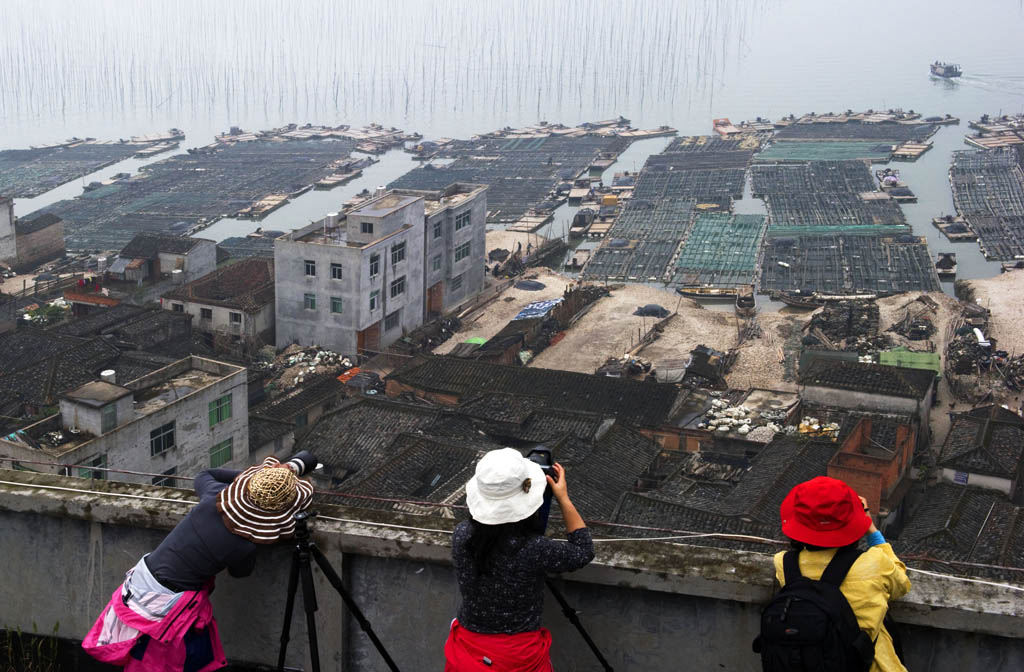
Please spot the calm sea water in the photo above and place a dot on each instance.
(454, 68)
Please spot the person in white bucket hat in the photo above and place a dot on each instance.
(501, 557)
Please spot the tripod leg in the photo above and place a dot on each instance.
(293, 584)
(310, 606)
(572, 615)
(339, 586)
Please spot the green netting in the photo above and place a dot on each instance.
(831, 150)
(720, 250)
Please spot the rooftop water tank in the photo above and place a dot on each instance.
(108, 376)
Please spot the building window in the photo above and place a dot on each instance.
(302, 419)
(335, 271)
(108, 418)
(220, 409)
(462, 221)
(462, 251)
(99, 461)
(235, 318)
(366, 227)
(435, 263)
(456, 283)
(164, 480)
(374, 265)
(178, 307)
(397, 253)
(310, 267)
(398, 287)
(220, 454)
(336, 304)
(309, 301)
(374, 299)
(393, 320)
(206, 313)
(437, 228)
(161, 439)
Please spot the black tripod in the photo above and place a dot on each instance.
(574, 618)
(301, 568)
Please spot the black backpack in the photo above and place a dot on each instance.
(809, 625)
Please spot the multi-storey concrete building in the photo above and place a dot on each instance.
(8, 250)
(358, 281)
(186, 417)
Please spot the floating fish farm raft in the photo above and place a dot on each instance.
(846, 260)
(721, 250)
(988, 192)
(523, 167)
(188, 191)
(832, 176)
(694, 174)
(25, 173)
(885, 131)
(827, 150)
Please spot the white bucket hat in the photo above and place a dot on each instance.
(506, 488)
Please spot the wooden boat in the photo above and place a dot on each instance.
(946, 70)
(581, 222)
(945, 265)
(708, 293)
(745, 304)
(800, 300)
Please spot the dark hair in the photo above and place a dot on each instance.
(485, 540)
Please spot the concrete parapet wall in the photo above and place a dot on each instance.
(648, 605)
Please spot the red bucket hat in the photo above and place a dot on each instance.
(824, 512)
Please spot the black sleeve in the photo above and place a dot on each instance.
(305, 461)
(244, 567)
(205, 480)
(549, 555)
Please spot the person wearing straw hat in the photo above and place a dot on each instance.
(823, 517)
(161, 618)
(501, 557)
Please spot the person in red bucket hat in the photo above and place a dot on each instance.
(824, 517)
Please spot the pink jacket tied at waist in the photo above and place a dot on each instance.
(120, 625)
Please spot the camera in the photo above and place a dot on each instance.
(543, 456)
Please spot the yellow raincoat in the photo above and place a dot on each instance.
(875, 578)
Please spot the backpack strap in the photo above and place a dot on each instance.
(840, 565)
(791, 566)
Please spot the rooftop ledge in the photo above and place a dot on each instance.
(935, 602)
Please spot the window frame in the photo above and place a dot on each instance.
(366, 227)
(234, 317)
(397, 287)
(159, 435)
(166, 479)
(374, 265)
(438, 228)
(206, 314)
(340, 303)
(463, 219)
(217, 411)
(177, 307)
(456, 283)
(398, 253)
(465, 249)
(217, 452)
(396, 316)
(375, 299)
(108, 418)
(309, 301)
(336, 267)
(435, 263)
(310, 267)
(84, 470)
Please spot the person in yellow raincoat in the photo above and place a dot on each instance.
(824, 514)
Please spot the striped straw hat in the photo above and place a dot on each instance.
(260, 504)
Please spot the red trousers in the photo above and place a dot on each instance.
(467, 651)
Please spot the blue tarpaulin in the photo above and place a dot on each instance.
(537, 309)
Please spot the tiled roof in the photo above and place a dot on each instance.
(965, 524)
(326, 389)
(643, 510)
(354, 439)
(643, 404)
(26, 226)
(873, 378)
(148, 245)
(135, 364)
(91, 297)
(95, 322)
(247, 285)
(422, 469)
(264, 430)
(980, 444)
(612, 465)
